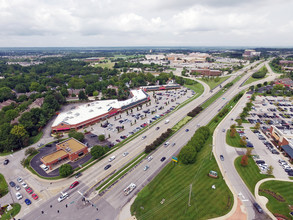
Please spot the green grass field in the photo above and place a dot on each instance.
(213, 83)
(251, 80)
(233, 141)
(198, 88)
(109, 64)
(250, 174)
(13, 212)
(285, 189)
(173, 184)
(3, 186)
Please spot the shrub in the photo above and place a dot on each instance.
(97, 151)
(30, 151)
(101, 137)
(187, 155)
(77, 135)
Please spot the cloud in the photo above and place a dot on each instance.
(152, 22)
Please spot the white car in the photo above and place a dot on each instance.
(24, 184)
(125, 154)
(62, 197)
(17, 187)
(18, 195)
(150, 158)
(19, 179)
(166, 144)
(146, 167)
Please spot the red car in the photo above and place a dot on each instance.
(29, 190)
(35, 196)
(74, 184)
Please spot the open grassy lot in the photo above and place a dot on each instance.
(250, 174)
(251, 80)
(3, 186)
(284, 189)
(198, 88)
(213, 82)
(13, 212)
(108, 64)
(173, 184)
(233, 141)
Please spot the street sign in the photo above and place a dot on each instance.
(175, 159)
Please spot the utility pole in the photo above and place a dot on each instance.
(189, 194)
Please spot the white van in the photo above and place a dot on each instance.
(44, 167)
(111, 158)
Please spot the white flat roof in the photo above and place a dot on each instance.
(93, 109)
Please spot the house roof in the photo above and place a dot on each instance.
(54, 156)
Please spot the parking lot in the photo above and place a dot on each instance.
(269, 111)
(121, 126)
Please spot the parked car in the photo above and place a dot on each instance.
(24, 185)
(29, 190)
(12, 184)
(17, 187)
(19, 179)
(27, 201)
(35, 196)
(18, 195)
(74, 184)
(107, 167)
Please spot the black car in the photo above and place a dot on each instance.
(222, 157)
(78, 175)
(6, 161)
(12, 184)
(163, 158)
(258, 208)
(157, 128)
(107, 167)
(260, 161)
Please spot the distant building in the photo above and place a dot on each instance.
(207, 72)
(250, 53)
(161, 87)
(93, 59)
(70, 149)
(155, 56)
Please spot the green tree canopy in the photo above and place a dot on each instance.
(65, 170)
(77, 135)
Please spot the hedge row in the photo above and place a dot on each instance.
(188, 153)
(195, 111)
(158, 141)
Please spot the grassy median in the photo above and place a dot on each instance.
(233, 141)
(250, 174)
(3, 186)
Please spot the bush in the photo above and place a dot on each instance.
(158, 141)
(101, 137)
(195, 111)
(30, 151)
(65, 170)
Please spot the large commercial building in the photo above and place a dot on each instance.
(160, 87)
(207, 72)
(70, 149)
(93, 112)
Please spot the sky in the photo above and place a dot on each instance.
(102, 23)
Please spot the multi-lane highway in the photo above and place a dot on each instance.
(112, 202)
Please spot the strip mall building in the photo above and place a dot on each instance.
(93, 112)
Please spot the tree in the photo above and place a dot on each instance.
(187, 155)
(64, 91)
(77, 135)
(239, 122)
(76, 83)
(270, 170)
(95, 93)
(248, 151)
(244, 161)
(101, 137)
(65, 170)
(82, 95)
(232, 132)
(97, 151)
(257, 126)
(243, 142)
(20, 133)
(34, 86)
